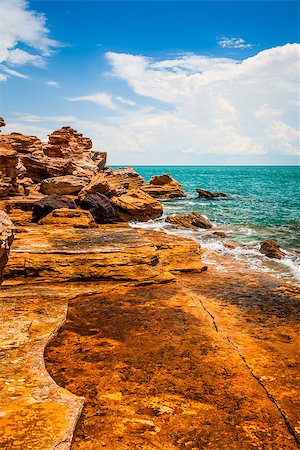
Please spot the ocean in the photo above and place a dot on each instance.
(263, 203)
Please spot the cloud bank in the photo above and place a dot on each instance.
(24, 36)
(210, 105)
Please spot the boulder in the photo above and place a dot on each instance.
(271, 249)
(113, 182)
(2, 123)
(102, 210)
(68, 184)
(76, 218)
(8, 171)
(193, 221)
(137, 205)
(164, 187)
(210, 195)
(48, 204)
(6, 238)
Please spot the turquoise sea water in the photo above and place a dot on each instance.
(263, 203)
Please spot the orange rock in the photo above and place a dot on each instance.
(8, 171)
(112, 182)
(164, 187)
(137, 205)
(7, 230)
(64, 217)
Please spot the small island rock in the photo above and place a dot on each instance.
(271, 249)
(210, 195)
(164, 187)
(193, 221)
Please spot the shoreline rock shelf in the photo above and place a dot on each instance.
(136, 327)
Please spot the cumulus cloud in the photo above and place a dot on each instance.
(212, 105)
(100, 98)
(19, 26)
(233, 42)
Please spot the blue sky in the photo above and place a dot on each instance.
(200, 82)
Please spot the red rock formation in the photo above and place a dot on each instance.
(66, 153)
(6, 239)
(8, 171)
(113, 182)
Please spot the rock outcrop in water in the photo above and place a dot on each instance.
(210, 195)
(164, 187)
(193, 220)
(271, 249)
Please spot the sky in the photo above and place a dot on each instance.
(156, 82)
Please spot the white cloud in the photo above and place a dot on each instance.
(196, 105)
(54, 84)
(19, 26)
(233, 42)
(13, 73)
(126, 101)
(212, 105)
(100, 98)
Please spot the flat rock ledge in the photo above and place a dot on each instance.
(46, 269)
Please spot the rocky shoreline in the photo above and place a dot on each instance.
(147, 347)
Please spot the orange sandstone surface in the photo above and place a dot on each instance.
(119, 338)
(146, 348)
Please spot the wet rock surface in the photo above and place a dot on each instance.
(210, 195)
(193, 220)
(271, 249)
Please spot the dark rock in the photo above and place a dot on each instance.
(193, 220)
(48, 204)
(271, 249)
(208, 194)
(100, 207)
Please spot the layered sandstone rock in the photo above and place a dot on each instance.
(8, 171)
(65, 217)
(113, 182)
(65, 185)
(193, 220)
(271, 249)
(6, 238)
(164, 187)
(66, 153)
(136, 204)
(210, 195)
